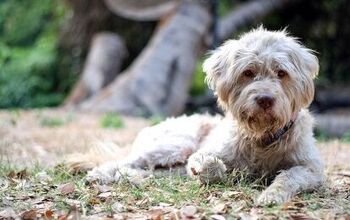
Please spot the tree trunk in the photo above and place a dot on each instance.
(157, 82)
(333, 124)
(247, 13)
(102, 65)
(145, 10)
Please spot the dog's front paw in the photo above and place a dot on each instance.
(100, 175)
(208, 169)
(272, 196)
(109, 173)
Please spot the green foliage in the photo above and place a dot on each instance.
(322, 26)
(112, 120)
(51, 122)
(154, 120)
(29, 73)
(346, 137)
(198, 86)
(321, 135)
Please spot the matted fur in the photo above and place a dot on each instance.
(260, 63)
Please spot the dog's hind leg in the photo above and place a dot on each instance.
(165, 145)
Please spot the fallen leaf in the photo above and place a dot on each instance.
(103, 188)
(94, 201)
(48, 214)
(291, 206)
(105, 195)
(175, 215)
(67, 188)
(164, 204)
(118, 207)
(217, 217)
(43, 177)
(30, 214)
(220, 208)
(299, 216)
(231, 194)
(156, 214)
(8, 213)
(18, 175)
(188, 211)
(143, 201)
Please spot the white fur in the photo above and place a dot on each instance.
(213, 146)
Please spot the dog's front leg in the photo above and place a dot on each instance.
(207, 167)
(113, 171)
(208, 163)
(290, 182)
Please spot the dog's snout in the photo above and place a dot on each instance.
(265, 101)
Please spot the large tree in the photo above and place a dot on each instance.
(158, 80)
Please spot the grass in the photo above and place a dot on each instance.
(51, 122)
(112, 120)
(56, 192)
(40, 189)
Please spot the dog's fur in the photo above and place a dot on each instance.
(259, 64)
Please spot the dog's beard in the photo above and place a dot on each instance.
(258, 122)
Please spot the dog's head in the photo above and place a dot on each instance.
(262, 79)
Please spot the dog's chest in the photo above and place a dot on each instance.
(263, 161)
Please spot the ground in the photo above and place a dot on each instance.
(35, 183)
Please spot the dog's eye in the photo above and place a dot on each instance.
(281, 73)
(248, 73)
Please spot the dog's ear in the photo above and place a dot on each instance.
(307, 65)
(215, 66)
(309, 62)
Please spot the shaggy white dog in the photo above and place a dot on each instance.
(264, 83)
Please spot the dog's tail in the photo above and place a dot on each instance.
(99, 152)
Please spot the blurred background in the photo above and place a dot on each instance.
(143, 58)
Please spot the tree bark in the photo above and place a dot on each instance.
(247, 13)
(333, 124)
(101, 67)
(145, 10)
(157, 82)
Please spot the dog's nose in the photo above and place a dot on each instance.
(265, 101)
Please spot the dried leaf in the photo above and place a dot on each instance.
(8, 213)
(217, 217)
(118, 207)
(105, 195)
(103, 188)
(94, 201)
(30, 214)
(18, 175)
(188, 211)
(67, 188)
(175, 215)
(299, 216)
(48, 214)
(220, 208)
(156, 214)
(164, 204)
(43, 177)
(230, 194)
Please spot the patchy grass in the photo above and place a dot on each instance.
(51, 121)
(156, 120)
(54, 192)
(346, 137)
(112, 120)
(60, 194)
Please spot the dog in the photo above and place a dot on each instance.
(264, 83)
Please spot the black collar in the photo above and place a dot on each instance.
(273, 138)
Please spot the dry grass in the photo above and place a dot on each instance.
(39, 139)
